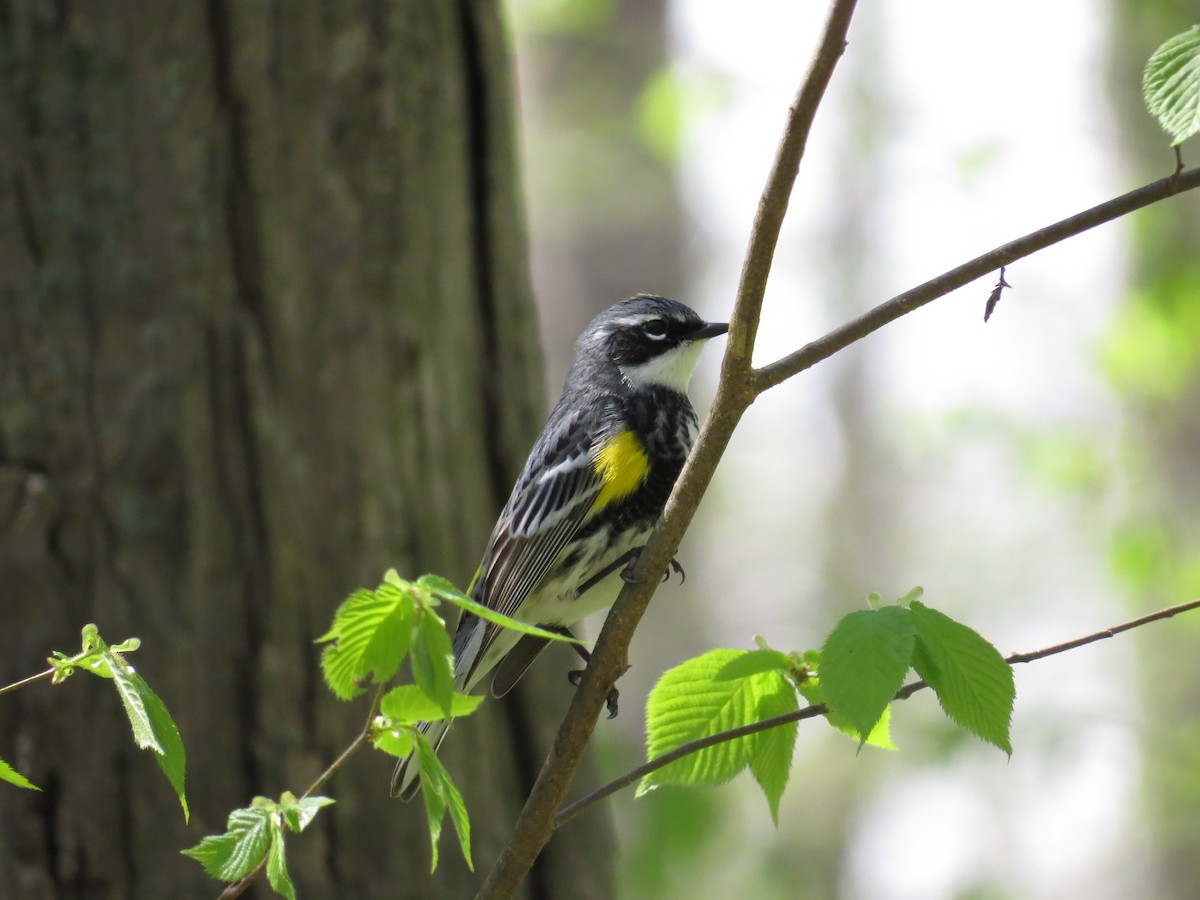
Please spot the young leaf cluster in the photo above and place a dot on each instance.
(856, 675)
(372, 634)
(255, 833)
(152, 725)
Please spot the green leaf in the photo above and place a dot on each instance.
(863, 664)
(752, 662)
(444, 589)
(973, 682)
(152, 725)
(236, 853)
(692, 701)
(297, 814)
(396, 741)
(433, 661)
(771, 758)
(408, 704)
(880, 735)
(133, 698)
(277, 872)
(12, 776)
(439, 791)
(434, 776)
(372, 633)
(1171, 85)
(173, 758)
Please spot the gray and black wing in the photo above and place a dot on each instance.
(550, 502)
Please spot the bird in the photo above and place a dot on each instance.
(592, 490)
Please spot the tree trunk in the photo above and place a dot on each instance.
(265, 331)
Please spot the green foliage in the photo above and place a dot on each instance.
(716, 692)
(863, 664)
(1171, 85)
(857, 674)
(12, 776)
(669, 105)
(153, 727)
(1151, 349)
(373, 631)
(440, 795)
(973, 682)
(255, 833)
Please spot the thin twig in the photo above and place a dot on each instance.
(40, 676)
(238, 887)
(810, 354)
(569, 812)
(535, 824)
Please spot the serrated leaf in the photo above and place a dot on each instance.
(863, 664)
(435, 777)
(771, 757)
(1171, 85)
(152, 725)
(433, 661)
(974, 684)
(173, 758)
(131, 689)
(236, 853)
(691, 702)
(409, 704)
(753, 662)
(372, 633)
(432, 792)
(12, 776)
(277, 872)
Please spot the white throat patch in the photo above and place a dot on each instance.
(672, 369)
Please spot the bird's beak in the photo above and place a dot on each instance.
(708, 330)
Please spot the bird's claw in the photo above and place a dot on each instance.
(676, 567)
(610, 701)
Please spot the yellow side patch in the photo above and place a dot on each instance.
(622, 464)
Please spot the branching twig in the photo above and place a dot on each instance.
(810, 354)
(238, 887)
(734, 394)
(809, 712)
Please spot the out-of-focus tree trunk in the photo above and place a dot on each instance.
(1157, 548)
(265, 330)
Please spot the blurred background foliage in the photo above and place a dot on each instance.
(1040, 476)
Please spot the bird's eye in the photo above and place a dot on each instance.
(656, 329)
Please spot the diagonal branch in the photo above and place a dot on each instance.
(735, 392)
(811, 712)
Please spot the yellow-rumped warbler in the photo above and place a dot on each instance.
(592, 490)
